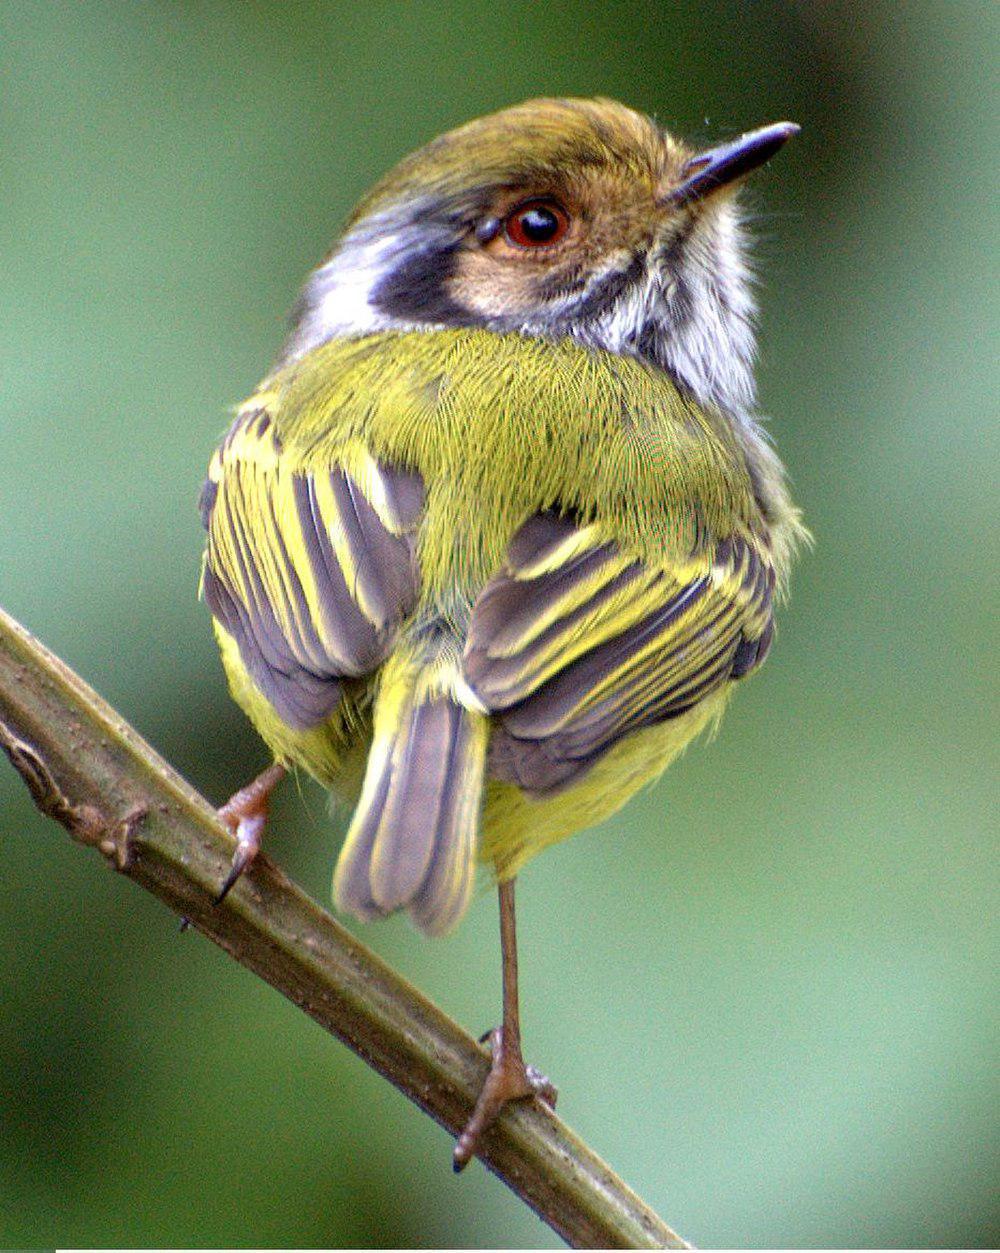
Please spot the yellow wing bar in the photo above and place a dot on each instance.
(573, 645)
(308, 573)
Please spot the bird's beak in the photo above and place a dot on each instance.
(721, 166)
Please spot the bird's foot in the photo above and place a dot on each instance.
(509, 1080)
(245, 816)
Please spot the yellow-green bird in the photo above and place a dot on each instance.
(500, 532)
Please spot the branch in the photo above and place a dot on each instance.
(90, 771)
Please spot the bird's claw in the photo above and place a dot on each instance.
(542, 1086)
(248, 832)
(245, 816)
(509, 1080)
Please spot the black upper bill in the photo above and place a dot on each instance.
(719, 166)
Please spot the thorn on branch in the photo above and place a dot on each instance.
(119, 847)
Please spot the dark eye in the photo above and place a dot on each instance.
(537, 224)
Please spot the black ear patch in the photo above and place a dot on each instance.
(417, 289)
(605, 293)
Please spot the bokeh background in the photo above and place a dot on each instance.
(767, 989)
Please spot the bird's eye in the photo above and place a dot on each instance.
(536, 224)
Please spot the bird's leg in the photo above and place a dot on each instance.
(509, 1078)
(245, 814)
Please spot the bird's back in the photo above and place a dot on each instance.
(543, 555)
(519, 424)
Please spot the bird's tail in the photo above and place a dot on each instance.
(413, 840)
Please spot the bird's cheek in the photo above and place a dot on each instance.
(489, 288)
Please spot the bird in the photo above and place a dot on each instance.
(501, 530)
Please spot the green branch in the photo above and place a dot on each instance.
(89, 770)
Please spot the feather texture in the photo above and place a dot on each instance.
(573, 646)
(413, 840)
(306, 574)
(516, 576)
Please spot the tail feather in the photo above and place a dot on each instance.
(352, 889)
(413, 840)
(444, 894)
(412, 818)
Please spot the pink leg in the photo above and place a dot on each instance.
(509, 1078)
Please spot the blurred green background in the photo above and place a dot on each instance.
(766, 990)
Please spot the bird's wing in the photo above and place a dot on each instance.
(309, 570)
(575, 644)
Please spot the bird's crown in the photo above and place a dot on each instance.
(529, 145)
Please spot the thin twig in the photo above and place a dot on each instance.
(90, 771)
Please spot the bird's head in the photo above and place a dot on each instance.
(558, 218)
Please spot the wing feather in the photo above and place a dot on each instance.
(574, 644)
(309, 576)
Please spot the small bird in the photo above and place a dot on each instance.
(500, 532)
